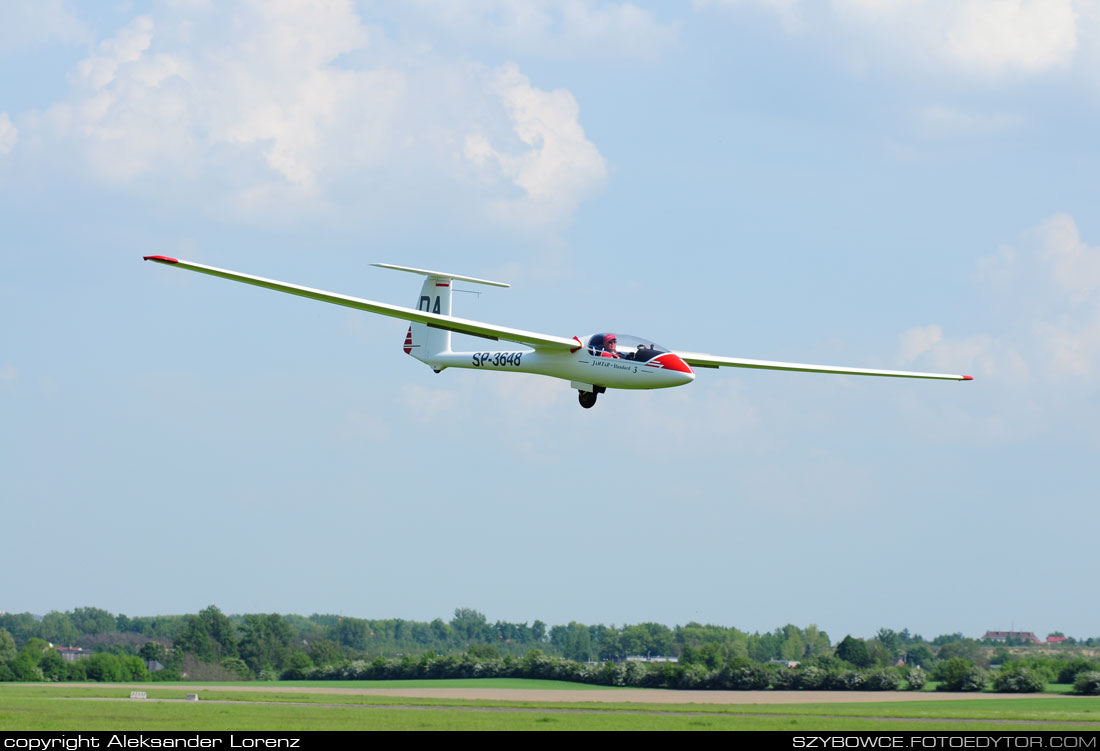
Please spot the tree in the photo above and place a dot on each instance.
(817, 641)
(325, 652)
(968, 649)
(470, 625)
(210, 635)
(7, 646)
(221, 630)
(154, 651)
(352, 633)
(793, 646)
(58, 628)
(959, 674)
(1017, 680)
(890, 639)
(1087, 683)
(918, 655)
(265, 642)
(52, 665)
(92, 620)
(854, 651)
(880, 653)
(942, 639)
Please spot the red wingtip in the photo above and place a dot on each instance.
(162, 259)
(968, 378)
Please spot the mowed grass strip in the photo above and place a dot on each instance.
(1046, 709)
(22, 706)
(44, 713)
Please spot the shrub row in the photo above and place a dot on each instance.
(738, 675)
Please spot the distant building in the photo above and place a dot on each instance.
(647, 658)
(1028, 636)
(72, 654)
(1052, 639)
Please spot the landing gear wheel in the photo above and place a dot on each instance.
(587, 398)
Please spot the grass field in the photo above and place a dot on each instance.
(336, 706)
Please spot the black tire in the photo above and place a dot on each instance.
(587, 398)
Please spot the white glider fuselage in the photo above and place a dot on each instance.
(582, 366)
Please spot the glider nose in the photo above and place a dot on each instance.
(677, 368)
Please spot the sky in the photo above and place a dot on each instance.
(870, 183)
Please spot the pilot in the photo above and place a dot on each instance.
(603, 345)
(610, 346)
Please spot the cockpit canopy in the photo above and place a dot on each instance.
(623, 346)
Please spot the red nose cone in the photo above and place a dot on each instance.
(673, 362)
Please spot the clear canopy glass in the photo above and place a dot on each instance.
(624, 347)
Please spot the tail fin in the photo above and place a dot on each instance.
(424, 342)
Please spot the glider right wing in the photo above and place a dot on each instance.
(699, 360)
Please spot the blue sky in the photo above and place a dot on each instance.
(874, 183)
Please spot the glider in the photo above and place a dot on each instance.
(591, 364)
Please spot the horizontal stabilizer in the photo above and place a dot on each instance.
(440, 274)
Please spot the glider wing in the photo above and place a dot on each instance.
(699, 360)
(545, 342)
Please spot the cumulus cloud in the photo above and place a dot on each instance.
(285, 107)
(978, 37)
(789, 12)
(1029, 35)
(1075, 265)
(554, 28)
(555, 165)
(916, 341)
(426, 404)
(940, 121)
(1049, 290)
(9, 134)
(27, 25)
(981, 37)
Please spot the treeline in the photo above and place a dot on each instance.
(211, 645)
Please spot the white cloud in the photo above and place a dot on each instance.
(25, 25)
(9, 134)
(260, 108)
(552, 28)
(916, 341)
(940, 121)
(426, 404)
(1028, 35)
(1049, 290)
(981, 37)
(554, 164)
(977, 37)
(789, 12)
(1075, 265)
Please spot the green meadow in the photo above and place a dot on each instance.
(106, 707)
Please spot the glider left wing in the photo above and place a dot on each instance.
(546, 342)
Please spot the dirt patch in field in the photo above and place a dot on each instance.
(634, 696)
